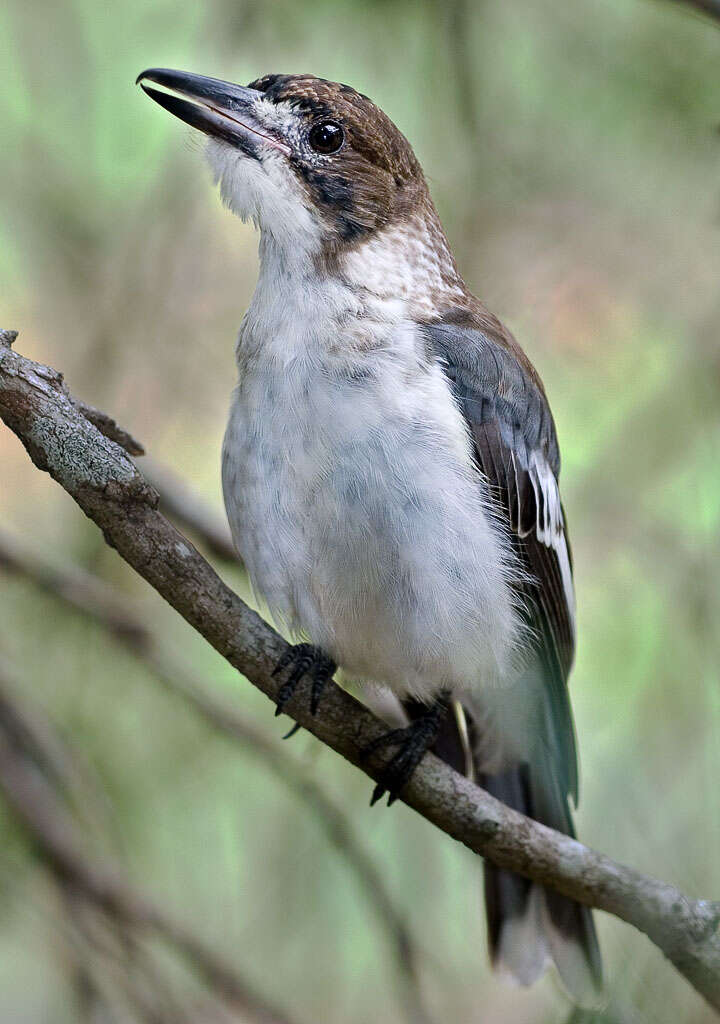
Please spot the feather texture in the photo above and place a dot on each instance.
(516, 447)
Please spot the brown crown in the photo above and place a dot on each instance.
(370, 132)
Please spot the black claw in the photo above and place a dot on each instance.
(377, 794)
(393, 738)
(283, 662)
(413, 742)
(305, 660)
(320, 678)
(291, 732)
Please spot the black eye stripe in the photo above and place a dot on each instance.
(326, 136)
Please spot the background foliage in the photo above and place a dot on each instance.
(573, 153)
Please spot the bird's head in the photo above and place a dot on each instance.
(315, 164)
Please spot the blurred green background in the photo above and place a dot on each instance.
(573, 153)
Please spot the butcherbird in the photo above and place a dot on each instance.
(390, 470)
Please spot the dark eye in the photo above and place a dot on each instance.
(326, 137)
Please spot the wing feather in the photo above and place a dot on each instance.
(510, 422)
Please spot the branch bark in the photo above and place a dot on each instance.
(108, 487)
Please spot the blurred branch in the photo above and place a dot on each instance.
(98, 474)
(459, 18)
(50, 754)
(95, 599)
(108, 969)
(31, 733)
(52, 833)
(77, 588)
(709, 7)
(107, 426)
(113, 971)
(183, 506)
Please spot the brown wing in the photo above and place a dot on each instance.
(510, 422)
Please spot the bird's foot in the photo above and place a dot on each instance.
(413, 742)
(302, 660)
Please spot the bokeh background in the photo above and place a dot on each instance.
(574, 155)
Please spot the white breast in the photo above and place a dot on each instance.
(354, 502)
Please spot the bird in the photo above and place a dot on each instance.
(390, 473)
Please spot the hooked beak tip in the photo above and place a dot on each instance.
(217, 108)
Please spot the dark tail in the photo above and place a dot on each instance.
(529, 925)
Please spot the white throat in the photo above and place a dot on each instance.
(268, 194)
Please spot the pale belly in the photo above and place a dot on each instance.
(365, 526)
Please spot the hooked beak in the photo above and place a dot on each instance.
(219, 109)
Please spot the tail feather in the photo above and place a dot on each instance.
(528, 924)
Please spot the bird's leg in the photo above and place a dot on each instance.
(413, 742)
(301, 660)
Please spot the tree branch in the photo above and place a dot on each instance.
(95, 599)
(108, 487)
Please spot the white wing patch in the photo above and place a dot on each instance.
(549, 519)
(550, 523)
